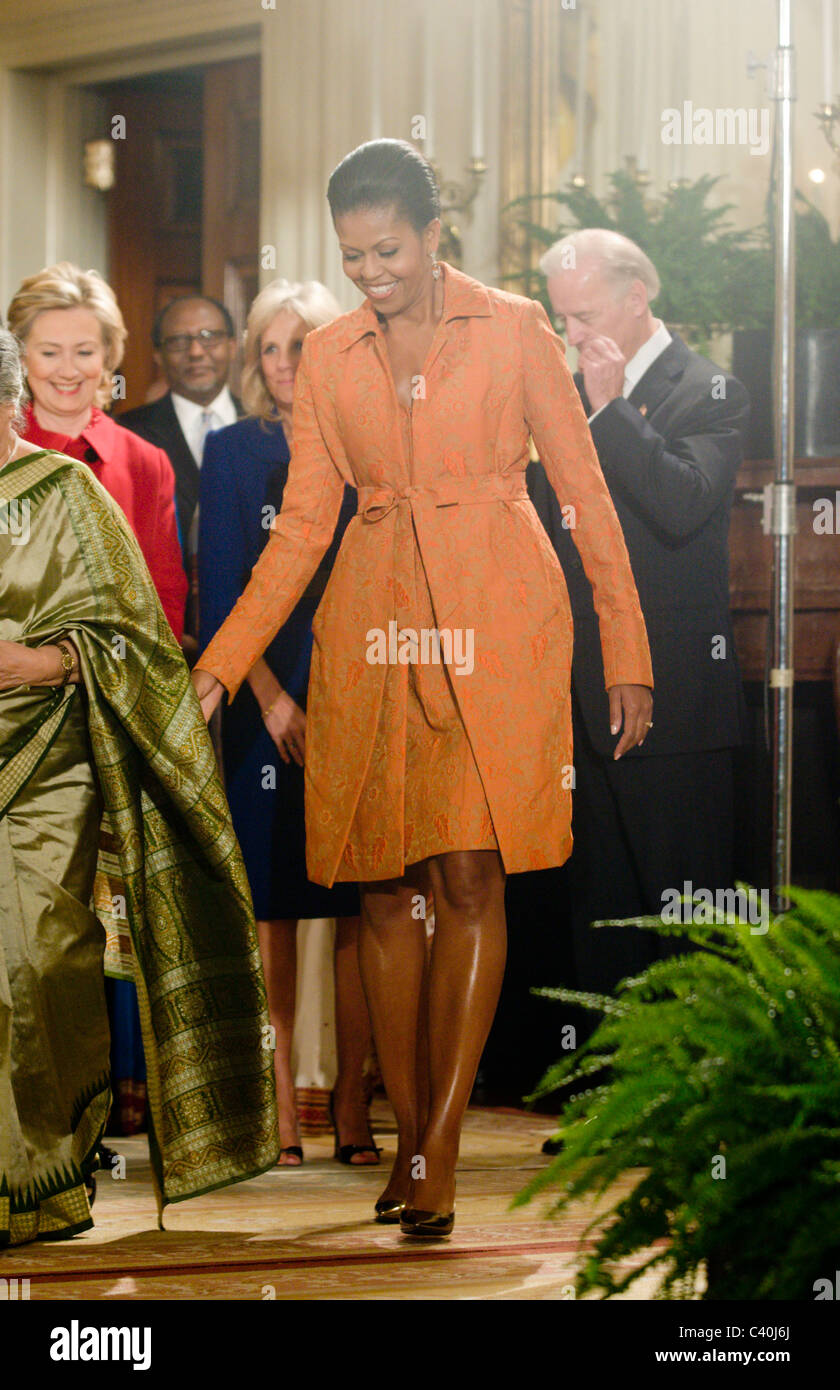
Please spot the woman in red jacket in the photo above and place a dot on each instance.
(73, 334)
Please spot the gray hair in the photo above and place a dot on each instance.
(620, 260)
(12, 388)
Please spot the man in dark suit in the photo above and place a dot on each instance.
(667, 425)
(194, 347)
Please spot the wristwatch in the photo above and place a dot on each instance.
(68, 662)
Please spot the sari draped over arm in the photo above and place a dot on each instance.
(130, 742)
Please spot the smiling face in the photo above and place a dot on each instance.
(65, 359)
(589, 307)
(280, 348)
(195, 369)
(386, 258)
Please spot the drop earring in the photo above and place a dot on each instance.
(435, 267)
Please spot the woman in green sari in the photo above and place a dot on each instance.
(109, 794)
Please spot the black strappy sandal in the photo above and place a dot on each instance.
(105, 1157)
(296, 1152)
(345, 1153)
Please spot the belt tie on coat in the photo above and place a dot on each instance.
(376, 502)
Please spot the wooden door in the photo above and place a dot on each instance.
(184, 209)
(155, 214)
(230, 262)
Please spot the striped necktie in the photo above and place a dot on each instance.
(208, 421)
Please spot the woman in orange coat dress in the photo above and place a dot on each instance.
(434, 764)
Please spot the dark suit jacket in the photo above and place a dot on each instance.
(669, 453)
(158, 423)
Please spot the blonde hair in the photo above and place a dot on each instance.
(67, 286)
(620, 260)
(311, 301)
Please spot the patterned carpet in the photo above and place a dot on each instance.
(307, 1233)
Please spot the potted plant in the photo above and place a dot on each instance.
(714, 277)
(724, 1090)
(817, 356)
(715, 280)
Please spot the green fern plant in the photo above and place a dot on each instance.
(714, 277)
(817, 269)
(725, 1090)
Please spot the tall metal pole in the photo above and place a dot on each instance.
(783, 498)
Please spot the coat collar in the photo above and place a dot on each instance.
(99, 434)
(659, 379)
(463, 297)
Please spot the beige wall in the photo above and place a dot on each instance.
(317, 62)
(46, 214)
(316, 84)
(23, 192)
(697, 50)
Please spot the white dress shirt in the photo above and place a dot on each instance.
(195, 426)
(647, 354)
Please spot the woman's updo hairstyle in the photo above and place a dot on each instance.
(385, 173)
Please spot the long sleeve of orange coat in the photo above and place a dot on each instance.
(300, 534)
(559, 427)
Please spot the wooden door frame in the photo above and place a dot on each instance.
(191, 55)
(65, 184)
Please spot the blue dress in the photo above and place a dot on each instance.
(243, 473)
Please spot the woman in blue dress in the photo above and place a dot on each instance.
(243, 473)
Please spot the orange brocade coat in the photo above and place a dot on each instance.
(445, 536)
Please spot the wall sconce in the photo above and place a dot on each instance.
(456, 198)
(828, 115)
(99, 164)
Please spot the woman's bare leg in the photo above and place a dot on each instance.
(353, 1040)
(392, 958)
(465, 978)
(278, 948)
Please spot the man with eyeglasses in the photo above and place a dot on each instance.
(195, 346)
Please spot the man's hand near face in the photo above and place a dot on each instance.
(602, 363)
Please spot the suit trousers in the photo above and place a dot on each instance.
(641, 826)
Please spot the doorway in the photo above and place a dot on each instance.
(183, 214)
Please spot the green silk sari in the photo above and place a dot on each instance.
(111, 807)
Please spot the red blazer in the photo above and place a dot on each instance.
(139, 477)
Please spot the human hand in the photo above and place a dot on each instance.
(286, 722)
(633, 704)
(22, 665)
(208, 689)
(602, 363)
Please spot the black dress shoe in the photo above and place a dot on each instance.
(426, 1223)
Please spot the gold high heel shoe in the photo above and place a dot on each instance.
(388, 1211)
(426, 1223)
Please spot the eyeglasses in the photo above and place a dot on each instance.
(207, 337)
